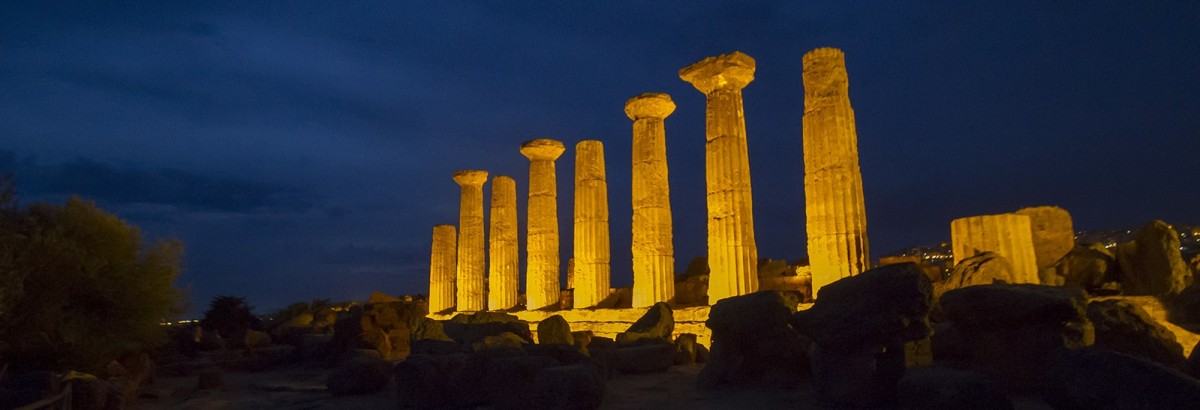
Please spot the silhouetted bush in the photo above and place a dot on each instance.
(229, 316)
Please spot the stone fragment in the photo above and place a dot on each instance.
(508, 382)
(685, 349)
(1088, 266)
(470, 279)
(424, 381)
(503, 263)
(836, 216)
(468, 329)
(981, 269)
(884, 306)
(1125, 327)
(443, 267)
(1009, 235)
(653, 247)
(505, 340)
(945, 388)
(656, 325)
(1100, 379)
(563, 354)
(568, 387)
(427, 328)
(732, 252)
(359, 376)
(555, 330)
(541, 238)
(753, 343)
(1152, 263)
(1052, 231)
(582, 339)
(592, 254)
(856, 380)
(647, 357)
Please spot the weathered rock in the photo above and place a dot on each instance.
(857, 380)
(685, 349)
(561, 353)
(582, 339)
(382, 326)
(555, 330)
(504, 340)
(424, 381)
(568, 387)
(649, 357)
(1053, 233)
(982, 269)
(753, 343)
(427, 328)
(509, 382)
(467, 329)
(436, 347)
(884, 306)
(691, 290)
(944, 388)
(656, 325)
(1006, 234)
(1100, 379)
(1009, 331)
(1124, 327)
(361, 375)
(1152, 263)
(1087, 266)
(90, 393)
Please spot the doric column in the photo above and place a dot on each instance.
(833, 192)
(653, 247)
(541, 241)
(732, 253)
(471, 266)
(591, 225)
(503, 265)
(442, 268)
(1006, 234)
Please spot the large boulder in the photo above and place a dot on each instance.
(857, 380)
(945, 388)
(1125, 327)
(1009, 331)
(981, 269)
(578, 386)
(425, 382)
(466, 329)
(385, 327)
(685, 349)
(754, 344)
(555, 330)
(655, 326)
(498, 379)
(1088, 266)
(1053, 233)
(362, 375)
(885, 306)
(1152, 263)
(1101, 379)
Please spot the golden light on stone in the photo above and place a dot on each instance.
(471, 255)
(836, 217)
(592, 256)
(442, 268)
(542, 264)
(732, 253)
(653, 247)
(1006, 234)
(503, 262)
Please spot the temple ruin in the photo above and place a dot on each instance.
(503, 263)
(541, 238)
(443, 268)
(1008, 235)
(591, 273)
(470, 241)
(653, 246)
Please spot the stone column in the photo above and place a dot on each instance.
(442, 268)
(653, 246)
(503, 265)
(471, 265)
(1006, 234)
(541, 241)
(592, 256)
(732, 253)
(833, 192)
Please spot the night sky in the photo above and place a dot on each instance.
(305, 149)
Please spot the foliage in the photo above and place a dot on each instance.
(229, 316)
(79, 286)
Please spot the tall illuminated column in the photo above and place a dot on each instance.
(732, 253)
(591, 225)
(541, 240)
(653, 249)
(471, 257)
(833, 191)
(442, 268)
(503, 265)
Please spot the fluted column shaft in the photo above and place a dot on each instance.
(503, 262)
(592, 256)
(541, 283)
(443, 267)
(732, 252)
(471, 257)
(836, 216)
(653, 246)
(1006, 234)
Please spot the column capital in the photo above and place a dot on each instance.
(824, 72)
(470, 177)
(649, 105)
(726, 71)
(543, 149)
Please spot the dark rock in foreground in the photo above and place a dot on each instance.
(656, 325)
(944, 388)
(1100, 379)
(753, 343)
(362, 375)
(1124, 327)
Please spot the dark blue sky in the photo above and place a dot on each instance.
(305, 149)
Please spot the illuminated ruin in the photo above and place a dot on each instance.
(442, 268)
(591, 271)
(541, 240)
(503, 265)
(470, 241)
(1008, 235)
(653, 249)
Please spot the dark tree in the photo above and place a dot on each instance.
(229, 316)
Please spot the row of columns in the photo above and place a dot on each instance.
(732, 251)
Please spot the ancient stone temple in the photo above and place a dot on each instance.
(732, 253)
(653, 246)
(442, 268)
(471, 257)
(503, 265)
(1006, 234)
(592, 257)
(833, 193)
(541, 240)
